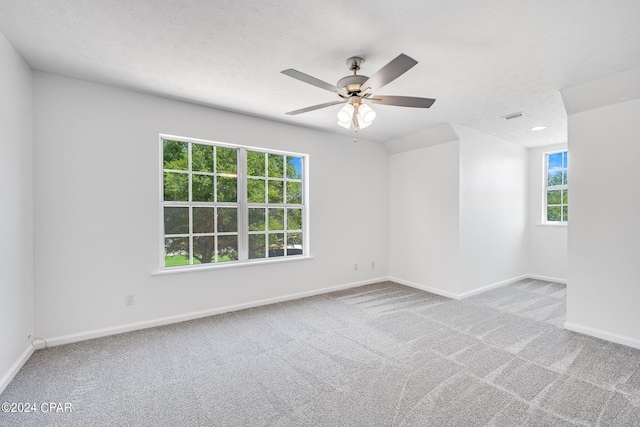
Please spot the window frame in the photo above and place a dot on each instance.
(242, 204)
(546, 188)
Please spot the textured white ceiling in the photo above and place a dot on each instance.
(480, 60)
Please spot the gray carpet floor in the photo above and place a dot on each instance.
(376, 355)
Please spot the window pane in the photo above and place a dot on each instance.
(202, 188)
(255, 190)
(276, 244)
(555, 161)
(276, 219)
(176, 251)
(176, 220)
(294, 219)
(294, 244)
(176, 155)
(565, 213)
(553, 213)
(276, 166)
(565, 197)
(256, 219)
(201, 158)
(227, 189)
(555, 177)
(294, 192)
(176, 187)
(555, 168)
(203, 249)
(226, 159)
(565, 177)
(564, 159)
(294, 167)
(255, 163)
(554, 197)
(227, 248)
(227, 220)
(276, 191)
(257, 247)
(203, 220)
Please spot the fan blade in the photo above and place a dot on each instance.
(389, 72)
(402, 101)
(316, 107)
(313, 81)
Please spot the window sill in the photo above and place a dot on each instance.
(553, 224)
(174, 270)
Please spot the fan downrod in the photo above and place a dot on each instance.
(352, 83)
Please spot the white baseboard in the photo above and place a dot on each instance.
(492, 286)
(6, 379)
(458, 296)
(546, 278)
(425, 288)
(598, 333)
(97, 333)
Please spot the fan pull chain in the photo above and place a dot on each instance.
(355, 137)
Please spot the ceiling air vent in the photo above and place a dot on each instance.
(513, 116)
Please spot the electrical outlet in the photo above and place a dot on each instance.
(373, 265)
(356, 268)
(129, 299)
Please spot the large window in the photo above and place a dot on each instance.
(223, 203)
(556, 194)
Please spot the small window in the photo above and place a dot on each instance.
(230, 204)
(556, 190)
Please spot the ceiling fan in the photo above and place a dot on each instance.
(356, 91)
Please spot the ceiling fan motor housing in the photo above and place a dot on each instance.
(351, 84)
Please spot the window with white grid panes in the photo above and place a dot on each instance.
(557, 191)
(229, 204)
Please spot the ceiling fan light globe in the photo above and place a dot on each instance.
(363, 124)
(366, 114)
(345, 115)
(368, 117)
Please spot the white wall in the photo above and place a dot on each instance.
(97, 212)
(493, 210)
(603, 290)
(16, 210)
(458, 214)
(547, 243)
(424, 215)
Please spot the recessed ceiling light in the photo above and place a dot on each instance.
(538, 128)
